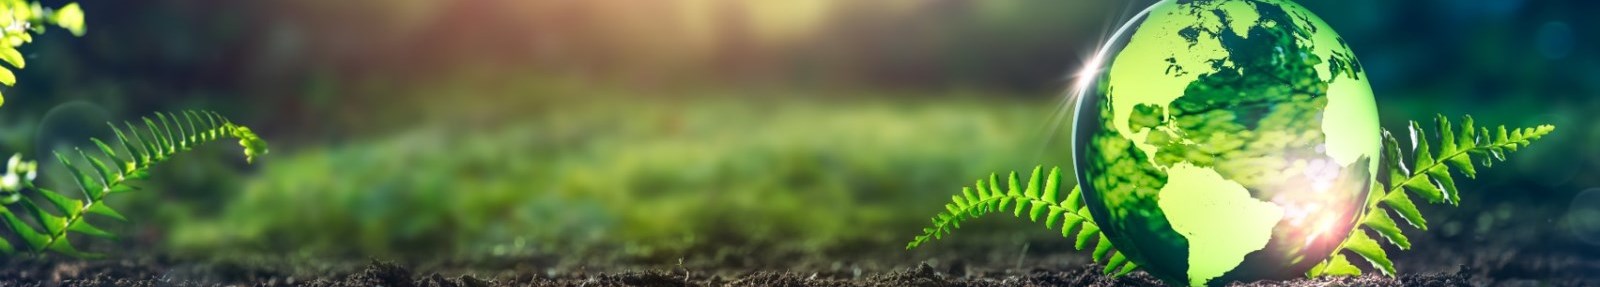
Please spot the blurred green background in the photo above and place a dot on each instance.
(659, 130)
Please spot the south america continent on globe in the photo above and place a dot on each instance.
(1227, 140)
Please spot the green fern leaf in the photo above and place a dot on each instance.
(1041, 196)
(1071, 224)
(1037, 209)
(1402, 205)
(193, 137)
(1052, 185)
(33, 238)
(1336, 265)
(1422, 185)
(1360, 244)
(49, 233)
(157, 143)
(107, 175)
(1126, 268)
(64, 246)
(84, 227)
(62, 203)
(1378, 220)
(52, 223)
(1419, 146)
(1088, 232)
(169, 138)
(1440, 175)
(1391, 161)
(1054, 218)
(1467, 138)
(1100, 250)
(1032, 191)
(91, 190)
(110, 153)
(105, 210)
(1431, 179)
(6, 248)
(1115, 261)
(1014, 189)
(135, 150)
(8, 78)
(11, 56)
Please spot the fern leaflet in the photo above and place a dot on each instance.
(1041, 198)
(106, 172)
(1430, 178)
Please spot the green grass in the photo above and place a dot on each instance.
(657, 178)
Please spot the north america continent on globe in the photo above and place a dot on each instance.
(1227, 140)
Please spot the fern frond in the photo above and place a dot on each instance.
(32, 18)
(1427, 176)
(107, 171)
(1041, 198)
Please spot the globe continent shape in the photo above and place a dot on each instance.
(1227, 140)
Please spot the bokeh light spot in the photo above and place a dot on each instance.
(1583, 218)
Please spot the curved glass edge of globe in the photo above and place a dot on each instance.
(1239, 89)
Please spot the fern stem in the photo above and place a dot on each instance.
(1042, 198)
(105, 179)
(97, 196)
(1418, 171)
(984, 207)
(1431, 178)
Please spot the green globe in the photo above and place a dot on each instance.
(1226, 140)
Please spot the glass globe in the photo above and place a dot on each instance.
(1226, 140)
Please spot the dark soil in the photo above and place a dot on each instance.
(1468, 248)
(1509, 258)
(152, 272)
